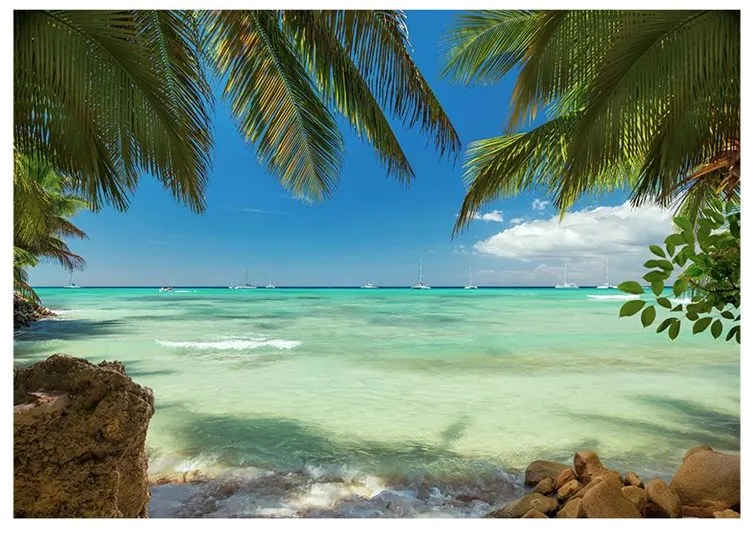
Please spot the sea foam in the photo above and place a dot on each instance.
(614, 297)
(242, 343)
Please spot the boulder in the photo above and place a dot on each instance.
(533, 501)
(637, 496)
(540, 469)
(697, 511)
(546, 486)
(568, 490)
(605, 499)
(570, 510)
(708, 478)
(78, 440)
(565, 476)
(662, 501)
(587, 466)
(631, 479)
(726, 513)
(26, 311)
(597, 480)
(534, 514)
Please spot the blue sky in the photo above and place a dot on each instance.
(371, 229)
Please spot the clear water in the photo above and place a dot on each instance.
(389, 402)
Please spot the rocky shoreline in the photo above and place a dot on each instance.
(26, 311)
(706, 484)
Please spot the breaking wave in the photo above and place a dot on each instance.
(242, 343)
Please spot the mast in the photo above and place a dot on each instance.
(606, 271)
(470, 273)
(420, 271)
(565, 275)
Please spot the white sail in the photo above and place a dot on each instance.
(420, 285)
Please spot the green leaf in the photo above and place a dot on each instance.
(663, 325)
(732, 332)
(734, 228)
(655, 275)
(692, 316)
(694, 271)
(648, 316)
(673, 331)
(657, 287)
(716, 329)
(677, 308)
(675, 240)
(631, 287)
(727, 314)
(631, 307)
(701, 325)
(680, 287)
(657, 251)
(665, 302)
(683, 223)
(670, 248)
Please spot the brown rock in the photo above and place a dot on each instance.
(605, 499)
(534, 514)
(598, 479)
(587, 465)
(697, 511)
(533, 501)
(79, 433)
(568, 490)
(546, 486)
(565, 476)
(540, 469)
(637, 496)
(726, 513)
(696, 449)
(631, 479)
(571, 509)
(708, 478)
(662, 501)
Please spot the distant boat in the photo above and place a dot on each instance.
(470, 285)
(369, 285)
(166, 289)
(71, 283)
(606, 284)
(244, 284)
(420, 285)
(566, 284)
(270, 282)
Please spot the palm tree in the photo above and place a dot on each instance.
(646, 100)
(42, 206)
(105, 95)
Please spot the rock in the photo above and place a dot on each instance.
(570, 510)
(697, 511)
(568, 490)
(534, 514)
(597, 480)
(78, 440)
(696, 449)
(565, 476)
(662, 501)
(546, 486)
(631, 479)
(26, 311)
(587, 465)
(533, 501)
(637, 496)
(726, 513)
(540, 469)
(708, 478)
(605, 499)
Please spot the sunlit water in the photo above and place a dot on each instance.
(350, 402)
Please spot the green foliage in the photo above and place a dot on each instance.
(611, 121)
(707, 269)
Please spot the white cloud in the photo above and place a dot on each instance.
(540, 205)
(494, 215)
(600, 231)
(517, 221)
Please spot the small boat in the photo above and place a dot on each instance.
(606, 284)
(71, 283)
(166, 289)
(420, 285)
(470, 285)
(369, 285)
(270, 282)
(566, 285)
(244, 285)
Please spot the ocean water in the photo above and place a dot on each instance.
(391, 402)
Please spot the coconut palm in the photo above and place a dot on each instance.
(645, 100)
(103, 96)
(42, 206)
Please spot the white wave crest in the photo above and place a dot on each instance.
(249, 343)
(614, 297)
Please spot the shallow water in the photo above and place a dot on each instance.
(392, 402)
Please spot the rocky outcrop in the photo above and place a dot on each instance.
(26, 311)
(708, 478)
(78, 443)
(706, 485)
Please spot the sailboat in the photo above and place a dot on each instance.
(606, 284)
(470, 285)
(566, 284)
(244, 284)
(420, 285)
(270, 282)
(369, 285)
(71, 283)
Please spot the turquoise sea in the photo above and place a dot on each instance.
(392, 402)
